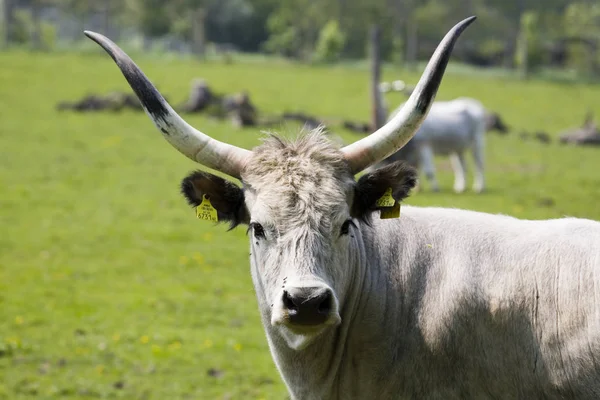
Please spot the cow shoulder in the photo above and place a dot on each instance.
(226, 197)
(399, 176)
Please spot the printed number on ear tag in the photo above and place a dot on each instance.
(205, 211)
(390, 212)
(386, 200)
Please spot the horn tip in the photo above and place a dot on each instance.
(90, 34)
(111, 48)
(96, 37)
(467, 21)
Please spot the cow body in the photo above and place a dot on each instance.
(452, 304)
(451, 128)
(435, 304)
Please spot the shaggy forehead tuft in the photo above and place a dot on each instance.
(303, 180)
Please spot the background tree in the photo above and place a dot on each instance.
(582, 27)
(565, 32)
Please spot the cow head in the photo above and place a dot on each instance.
(298, 198)
(493, 122)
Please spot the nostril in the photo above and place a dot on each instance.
(309, 306)
(326, 303)
(288, 301)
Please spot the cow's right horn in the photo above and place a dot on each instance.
(188, 140)
(401, 128)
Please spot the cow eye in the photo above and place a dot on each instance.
(346, 227)
(258, 230)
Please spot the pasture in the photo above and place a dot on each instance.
(109, 285)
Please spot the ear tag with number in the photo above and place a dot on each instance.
(390, 212)
(386, 200)
(390, 208)
(205, 211)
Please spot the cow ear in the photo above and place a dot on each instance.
(399, 176)
(226, 197)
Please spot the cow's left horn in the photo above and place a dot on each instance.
(185, 138)
(399, 130)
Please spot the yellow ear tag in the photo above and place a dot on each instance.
(389, 207)
(206, 211)
(386, 200)
(390, 212)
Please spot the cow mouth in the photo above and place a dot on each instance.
(299, 337)
(301, 329)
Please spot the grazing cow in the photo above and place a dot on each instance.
(114, 101)
(588, 134)
(542, 137)
(436, 304)
(451, 128)
(240, 110)
(200, 97)
(90, 102)
(493, 122)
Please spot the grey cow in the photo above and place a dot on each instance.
(451, 128)
(437, 304)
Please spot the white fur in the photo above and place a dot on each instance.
(438, 304)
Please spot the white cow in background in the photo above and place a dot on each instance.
(451, 128)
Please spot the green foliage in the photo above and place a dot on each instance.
(22, 27)
(283, 39)
(153, 19)
(330, 43)
(490, 48)
(81, 7)
(182, 27)
(398, 49)
(428, 17)
(48, 36)
(529, 54)
(582, 20)
(294, 27)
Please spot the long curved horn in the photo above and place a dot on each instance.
(185, 138)
(399, 130)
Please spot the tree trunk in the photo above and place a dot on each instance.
(341, 11)
(398, 10)
(593, 56)
(106, 18)
(523, 49)
(81, 19)
(412, 40)
(378, 114)
(36, 34)
(511, 45)
(5, 9)
(198, 35)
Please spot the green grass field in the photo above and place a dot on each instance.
(109, 285)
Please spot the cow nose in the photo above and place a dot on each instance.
(308, 306)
